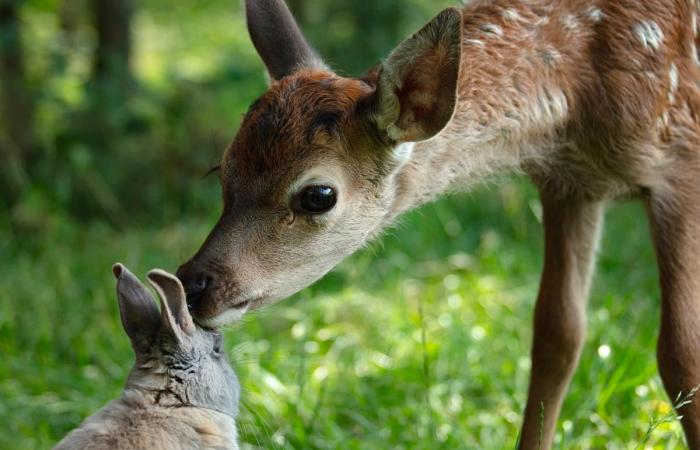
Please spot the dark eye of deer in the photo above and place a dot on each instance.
(317, 199)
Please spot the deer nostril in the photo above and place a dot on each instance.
(195, 288)
(199, 285)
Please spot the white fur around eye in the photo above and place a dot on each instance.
(326, 175)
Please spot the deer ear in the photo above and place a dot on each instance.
(176, 319)
(137, 308)
(277, 38)
(417, 86)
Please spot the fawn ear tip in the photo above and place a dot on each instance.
(155, 274)
(117, 269)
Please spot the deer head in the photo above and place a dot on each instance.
(312, 174)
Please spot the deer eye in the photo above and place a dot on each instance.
(317, 199)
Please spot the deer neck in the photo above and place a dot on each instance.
(522, 66)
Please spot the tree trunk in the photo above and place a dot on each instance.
(112, 21)
(16, 108)
(111, 81)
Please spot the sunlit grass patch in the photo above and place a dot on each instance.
(420, 341)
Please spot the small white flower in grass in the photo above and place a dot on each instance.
(451, 282)
(382, 360)
(320, 374)
(454, 301)
(445, 320)
(361, 368)
(461, 260)
(92, 373)
(278, 438)
(325, 334)
(524, 363)
(311, 347)
(478, 333)
(454, 404)
(487, 284)
(603, 314)
(642, 390)
(567, 426)
(604, 351)
(512, 417)
(273, 383)
(443, 432)
(298, 330)
(263, 345)
(485, 418)
(417, 335)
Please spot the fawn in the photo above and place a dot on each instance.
(181, 394)
(594, 100)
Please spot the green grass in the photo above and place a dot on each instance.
(420, 341)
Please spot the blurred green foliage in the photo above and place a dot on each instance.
(114, 172)
(124, 151)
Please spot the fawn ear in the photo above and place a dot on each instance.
(277, 38)
(138, 310)
(176, 319)
(417, 86)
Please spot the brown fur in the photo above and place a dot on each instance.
(595, 100)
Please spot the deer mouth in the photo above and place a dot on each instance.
(228, 313)
(249, 303)
(241, 305)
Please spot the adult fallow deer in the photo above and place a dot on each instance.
(594, 100)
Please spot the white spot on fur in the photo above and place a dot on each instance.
(549, 107)
(649, 34)
(595, 14)
(474, 42)
(558, 105)
(511, 14)
(659, 123)
(694, 53)
(673, 76)
(570, 21)
(672, 83)
(403, 152)
(694, 24)
(662, 121)
(492, 29)
(542, 21)
(550, 56)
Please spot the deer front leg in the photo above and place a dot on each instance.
(675, 223)
(571, 228)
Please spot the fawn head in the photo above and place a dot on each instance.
(311, 175)
(185, 364)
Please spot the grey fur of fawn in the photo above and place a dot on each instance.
(181, 393)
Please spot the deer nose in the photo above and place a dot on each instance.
(195, 284)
